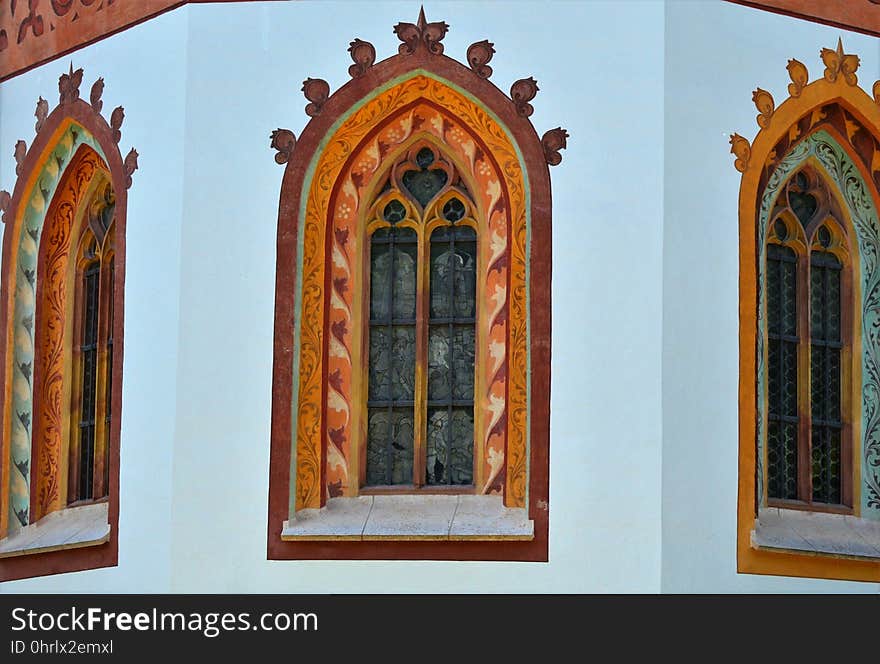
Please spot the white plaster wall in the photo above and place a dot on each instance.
(144, 70)
(716, 54)
(599, 67)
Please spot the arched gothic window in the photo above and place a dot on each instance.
(809, 390)
(410, 412)
(61, 305)
(809, 289)
(422, 331)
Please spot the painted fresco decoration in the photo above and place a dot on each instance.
(832, 126)
(425, 137)
(33, 32)
(73, 143)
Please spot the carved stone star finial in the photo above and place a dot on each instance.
(838, 63)
(421, 33)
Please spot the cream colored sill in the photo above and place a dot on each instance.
(69, 528)
(816, 532)
(409, 517)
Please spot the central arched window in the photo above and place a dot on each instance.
(91, 396)
(809, 348)
(422, 332)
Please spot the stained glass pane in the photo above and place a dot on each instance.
(389, 446)
(825, 388)
(450, 450)
(423, 185)
(782, 351)
(451, 356)
(453, 272)
(391, 390)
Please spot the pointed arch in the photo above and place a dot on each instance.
(72, 183)
(829, 129)
(334, 176)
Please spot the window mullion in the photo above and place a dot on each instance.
(420, 421)
(805, 424)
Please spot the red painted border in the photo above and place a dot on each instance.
(64, 47)
(857, 15)
(538, 172)
(104, 555)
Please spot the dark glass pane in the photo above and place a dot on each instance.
(424, 184)
(380, 278)
(389, 446)
(782, 352)
(89, 369)
(439, 375)
(453, 272)
(405, 276)
(394, 212)
(824, 236)
(782, 460)
(403, 351)
(392, 363)
(451, 356)
(780, 230)
(825, 387)
(450, 449)
(826, 464)
(803, 205)
(391, 390)
(425, 158)
(454, 210)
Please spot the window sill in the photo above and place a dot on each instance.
(409, 518)
(816, 532)
(70, 528)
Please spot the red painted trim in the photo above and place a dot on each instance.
(69, 46)
(523, 133)
(857, 15)
(104, 555)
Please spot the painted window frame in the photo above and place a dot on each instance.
(803, 243)
(421, 65)
(832, 125)
(72, 133)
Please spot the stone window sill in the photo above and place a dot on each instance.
(816, 532)
(409, 517)
(69, 528)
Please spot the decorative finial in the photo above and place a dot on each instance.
(5, 199)
(740, 147)
(421, 33)
(363, 54)
(41, 113)
(840, 63)
(20, 153)
(765, 105)
(284, 141)
(799, 76)
(522, 92)
(129, 166)
(116, 118)
(478, 55)
(553, 141)
(317, 91)
(68, 85)
(95, 96)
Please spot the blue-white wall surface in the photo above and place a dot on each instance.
(644, 373)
